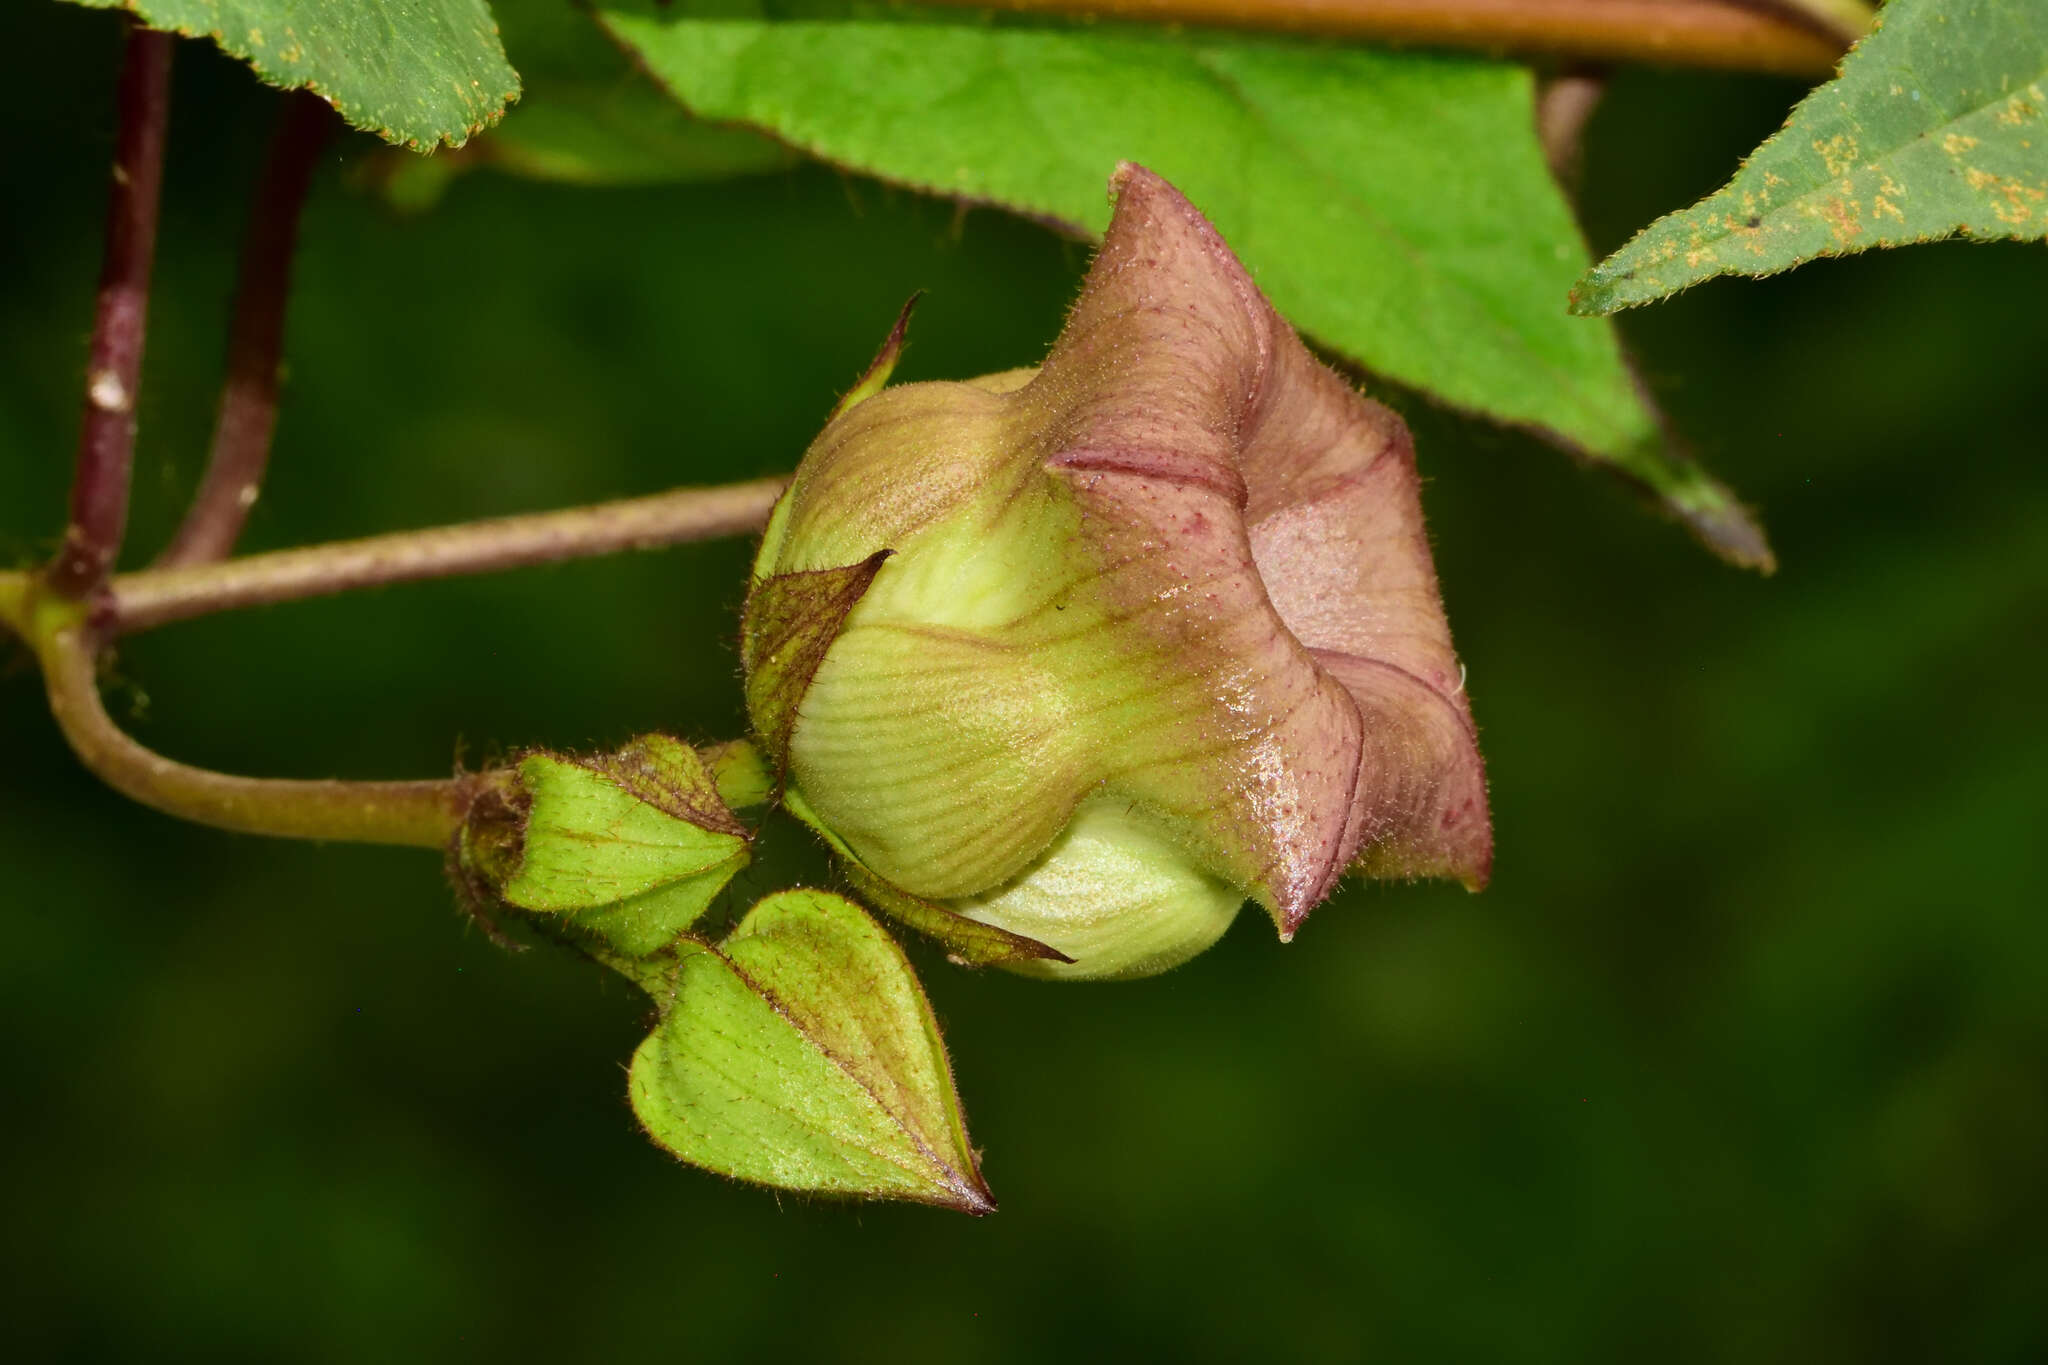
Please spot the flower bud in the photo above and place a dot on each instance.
(1094, 652)
(630, 847)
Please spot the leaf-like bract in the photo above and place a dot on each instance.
(1937, 126)
(802, 1054)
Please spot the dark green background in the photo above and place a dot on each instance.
(1741, 1057)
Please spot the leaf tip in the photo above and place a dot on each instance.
(1719, 521)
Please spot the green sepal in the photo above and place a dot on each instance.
(876, 377)
(790, 620)
(965, 940)
(802, 1054)
(632, 846)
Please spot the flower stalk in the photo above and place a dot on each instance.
(411, 814)
(66, 637)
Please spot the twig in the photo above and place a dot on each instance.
(1711, 33)
(157, 597)
(106, 443)
(412, 814)
(248, 400)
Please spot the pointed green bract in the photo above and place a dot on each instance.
(802, 1054)
(1395, 206)
(1937, 126)
(876, 376)
(790, 620)
(421, 73)
(631, 846)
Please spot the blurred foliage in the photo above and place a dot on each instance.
(587, 116)
(1741, 1057)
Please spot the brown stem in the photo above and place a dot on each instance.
(1710, 33)
(106, 442)
(248, 400)
(412, 814)
(143, 601)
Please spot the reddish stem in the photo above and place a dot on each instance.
(248, 400)
(106, 444)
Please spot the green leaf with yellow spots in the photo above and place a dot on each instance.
(1936, 127)
(419, 73)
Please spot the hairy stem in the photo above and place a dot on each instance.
(143, 601)
(106, 442)
(1715, 33)
(248, 400)
(412, 814)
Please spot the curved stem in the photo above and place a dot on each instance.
(248, 400)
(1714, 33)
(157, 597)
(412, 814)
(106, 441)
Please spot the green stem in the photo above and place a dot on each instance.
(412, 814)
(66, 637)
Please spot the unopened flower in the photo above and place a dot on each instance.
(1092, 653)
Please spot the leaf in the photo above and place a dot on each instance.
(1935, 127)
(419, 73)
(802, 1054)
(1395, 206)
(790, 620)
(631, 846)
